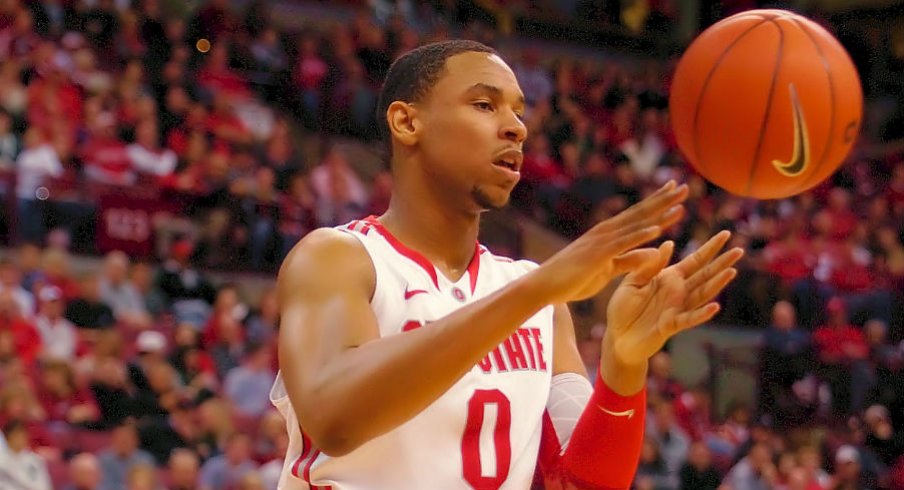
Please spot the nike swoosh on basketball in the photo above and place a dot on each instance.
(627, 413)
(800, 154)
(410, 293)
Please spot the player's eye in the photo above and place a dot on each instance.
(483, 105)
(520, 116)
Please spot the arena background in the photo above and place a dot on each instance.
(157, 158)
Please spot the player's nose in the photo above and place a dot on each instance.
(513, 129)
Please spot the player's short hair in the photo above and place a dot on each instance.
(414, 73)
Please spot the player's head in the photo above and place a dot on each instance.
(450, 113)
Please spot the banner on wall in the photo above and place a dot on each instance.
(127, 223)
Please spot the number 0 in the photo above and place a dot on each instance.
(502, 444)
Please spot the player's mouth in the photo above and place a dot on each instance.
(509, 159)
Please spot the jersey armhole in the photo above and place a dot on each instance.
(373, 263)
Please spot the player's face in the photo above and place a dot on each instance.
(472, 134)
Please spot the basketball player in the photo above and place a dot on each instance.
(413, 358)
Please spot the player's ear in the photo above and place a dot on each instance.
(400, 116)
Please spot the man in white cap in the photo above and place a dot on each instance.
(847, 469)
(57, 333)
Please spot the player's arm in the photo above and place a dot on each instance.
(593, 435)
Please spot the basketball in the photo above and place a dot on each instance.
(766, 104)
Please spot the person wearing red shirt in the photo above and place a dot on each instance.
(25, 336)
(61, 399)
(841, 349)
(105, 157)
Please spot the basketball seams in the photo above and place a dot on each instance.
(806, 184)
(765, 122)
(702, 95)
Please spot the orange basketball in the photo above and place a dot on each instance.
(766, 104)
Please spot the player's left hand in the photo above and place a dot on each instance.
(655, 302)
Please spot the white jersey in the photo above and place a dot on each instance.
(484, 432)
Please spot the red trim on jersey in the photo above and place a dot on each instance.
(550, 449)
(474, 267)
(305, 449)
(306, 473)
(400, 247)
(604, 448)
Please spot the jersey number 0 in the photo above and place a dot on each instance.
(502, 445)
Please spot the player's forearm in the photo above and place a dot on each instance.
(374, 388)
(625, 377)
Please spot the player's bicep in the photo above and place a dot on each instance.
(566, 357)
(324, 289)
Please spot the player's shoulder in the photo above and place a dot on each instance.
(328, 253)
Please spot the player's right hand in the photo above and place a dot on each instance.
(606, 251)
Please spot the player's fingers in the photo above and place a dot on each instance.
(691, 319)
(672, 216)
(711, 288)
(630, 240)
(697, 260)
(655, 261)
(658, 203)
(716, 266)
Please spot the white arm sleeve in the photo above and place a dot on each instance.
(568, 395)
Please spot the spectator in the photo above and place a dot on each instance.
(162, 436)
(183, 470)
(122, 456)
(882, 439)
(62, 400)
(186, 289)
(215, 426)
(810, 460)
(652, 471)
(227, 469)
(341, 196)
(841, 348)
(20, 468)
(84, 472)
(672, 442)
(785, 357)
(248, 386)
(22, 333)
(142, 477)
(142, 277)
(661, 385)
(262, 327)
(146, 155)
(89, 311)
(11, 280)
(58, 335)
(310, 72)
(228, 350)
(698, 472)
(848, 475)
(296, 214)
(9, 143)
(753, 472)
(38, 162)
(120, 294)
(104, 156)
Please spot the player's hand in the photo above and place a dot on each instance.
(653, 302)
(588, 264)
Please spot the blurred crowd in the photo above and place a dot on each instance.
(147, 374)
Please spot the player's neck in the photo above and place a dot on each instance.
(444, 235)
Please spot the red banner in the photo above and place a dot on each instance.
(126, 223)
